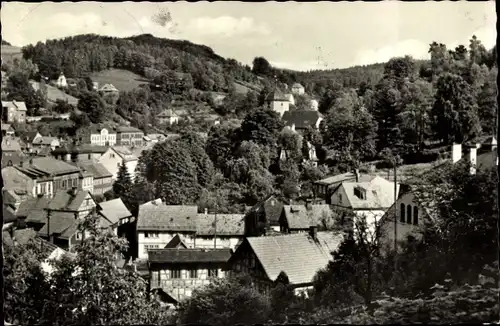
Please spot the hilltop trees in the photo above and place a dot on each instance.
(93, 105)
(261, 126)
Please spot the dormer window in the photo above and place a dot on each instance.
(360, 192)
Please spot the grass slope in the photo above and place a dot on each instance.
(123, 80)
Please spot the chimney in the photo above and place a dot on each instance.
(313, 232)
(356, 173)
(456, 153)
(206, 211)
(473, 159)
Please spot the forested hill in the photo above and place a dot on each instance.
(4, 42)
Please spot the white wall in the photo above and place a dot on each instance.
(112, 161)
(162, 240)
(280, 106)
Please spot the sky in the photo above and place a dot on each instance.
(293, 35)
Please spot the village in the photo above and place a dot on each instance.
(203, 183)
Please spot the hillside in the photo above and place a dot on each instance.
(123, 80)
(9, 52)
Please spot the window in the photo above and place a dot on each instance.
(63, 184)
(340, 198)
(402, 213)
(118, 164)
(75, 182)
(176, 273)
(252, 262)
(112, 155)
(9, 163)
(146, 234)
(89, 156)
(415, 215)
(408, 214)
(193, 273)
(149, 247)
(215, 272)
(79, 236)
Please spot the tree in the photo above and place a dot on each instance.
(196, 146)
(63, 107)
(93, 105)
(261, 126)
(122, 187)
(261, 66)
(455, 110)
(220, 145)
(487, 104)
(228, 301)
(18, 88)
(291, 142)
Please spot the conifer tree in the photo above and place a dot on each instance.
(122, 187)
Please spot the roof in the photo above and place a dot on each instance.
(227, 224)
(20, 106)
(301, 217)
(167, 217)
(114, 210)
(297, 85)
(339, 178)
(32, 204)
(124, 153)
(48, 165)
(176, 242)
(45, 140)
(302, 119)
(297, 255)
(167, 114)
(488, 160)
(64, 200)
(95, 129)
(96, 169)
(62, 224)
(81, 149)
(29, 136)
(108, 88)
(277, 95)
(127, 129)
(182, 256)
(9, 215)
(7, 127)
(10, 144)
(272, 208)
(379, 193)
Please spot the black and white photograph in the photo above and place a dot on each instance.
(238, 163)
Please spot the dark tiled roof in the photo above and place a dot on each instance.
(339, 178)
(227, 225)
(276, 95)
(176, 242)
(167, 217)
(127, 129)
(301, 217)
(114, 210)
(272, 208)
(172, 256)
(9, 215)
(297, 255)
(64, 200)
(32, 204)
(29, 136)
(96, 169)
(50, 166)
(301, 119)
(62, 224)
(80, 149)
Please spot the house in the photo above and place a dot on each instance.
(263, 217)
(297, 257)
(13, 111)
(102, 178)
(102, 136)
(278, 102)
(117, 213)
(290, 98)
(27, 138)
(11, 151)
(108, 89)
(168, 117)
(367, 200)
(7, 130)
(79, 153)
(151, 139)
(13, 198)
(158, 224)
(301, 120)
(300, 218)
(129, 136)
(113, 158)
(41, 175)
(311, 157)
(219, 230)
(179, 271)
(95, 86)
(298, 89)
(46, 142)
(324, 188)
(314, 105)
(61, 81)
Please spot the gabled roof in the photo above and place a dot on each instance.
(227, 225)
(277, 95)
(9, 215)
(80, 149)
(271, 206)
(302, 217)
(114, 210)
(167, 114)
(183, 256)
(62, 224)
(176, 242)
(20, 106)
(32, 204)
(301, 119)
(65, 200)
(45, 140)
(158, 216)
(297, 255)
(29, 136)
(96, 169)
(108, 88)
(10, 144)
(124, 153)
(339, 178)
(297, 85)
(49, 166)
(122, 129)
(7, 127)
(379, 193)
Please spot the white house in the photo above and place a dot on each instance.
(368, 200)
(113, 158)
(298, 89)
(168, 117)
(314, 104)
(103, 137)
(290, 98)
(61, 81)
(278, 102)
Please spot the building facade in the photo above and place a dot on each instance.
(129, 136)
(103, 137)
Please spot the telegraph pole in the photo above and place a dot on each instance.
(215, 225)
